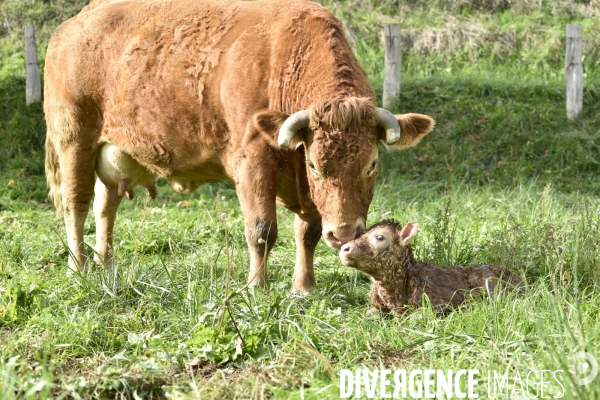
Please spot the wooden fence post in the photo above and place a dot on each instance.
(33, 87)
(393, 59)
(574, 70)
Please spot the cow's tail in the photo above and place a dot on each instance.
(53, 174)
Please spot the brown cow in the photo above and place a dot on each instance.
(264, 94)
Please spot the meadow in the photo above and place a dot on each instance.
(505, 178)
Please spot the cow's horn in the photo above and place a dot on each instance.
(292, 124)
(387, 121)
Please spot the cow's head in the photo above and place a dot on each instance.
(340, 138)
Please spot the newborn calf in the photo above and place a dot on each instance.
(399, 280)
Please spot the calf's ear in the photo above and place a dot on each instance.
(408, 232)
(413, 128)
(268, 123)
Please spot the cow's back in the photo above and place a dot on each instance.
(152, 70)
(176, 81)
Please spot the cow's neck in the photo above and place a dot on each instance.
(321, 67)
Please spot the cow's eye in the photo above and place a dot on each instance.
(314, 170)
(380, 238)
(372, 168)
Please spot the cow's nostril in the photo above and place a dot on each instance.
(346, 248)
(341, 237)
(332, 237)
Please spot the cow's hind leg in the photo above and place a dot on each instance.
(72, 133)
(308, 232)
(106, 204)
(77, 170)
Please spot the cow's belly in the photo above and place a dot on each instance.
(121, 173)
(190, 184)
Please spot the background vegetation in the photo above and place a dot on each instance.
(505, 178)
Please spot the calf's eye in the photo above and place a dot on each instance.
(380, 238)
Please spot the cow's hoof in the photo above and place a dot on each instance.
(304, 285)
(257, 279)
(100, 261)
(257, 285)
(301, 292)
(74, 269)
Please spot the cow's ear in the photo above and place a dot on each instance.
(268, 123)
(408, 232)
(413, 128)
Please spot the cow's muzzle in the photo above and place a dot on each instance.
(336, 235)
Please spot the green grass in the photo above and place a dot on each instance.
(135, 328)
(505, 178)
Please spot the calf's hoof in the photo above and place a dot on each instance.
(372, 312)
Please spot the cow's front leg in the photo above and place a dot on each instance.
(257, 199)
(106, 204)
(308, 232)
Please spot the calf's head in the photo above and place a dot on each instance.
(383, 247)
(340, 139)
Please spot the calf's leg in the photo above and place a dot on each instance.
(106, 205)
(308, 232)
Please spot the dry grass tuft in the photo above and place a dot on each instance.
(476, 29)
(467, 36)
(577, 8)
